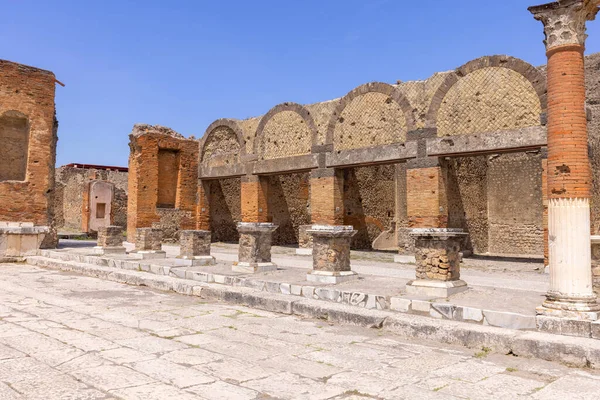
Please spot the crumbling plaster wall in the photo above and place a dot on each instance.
(70, 187)
(29, 92)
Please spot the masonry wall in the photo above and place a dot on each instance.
(225, 209)
(69, 200)
(289, 206)
(145, 182)
(27, 111)
(369, 202)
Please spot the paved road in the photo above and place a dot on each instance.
(64, 336)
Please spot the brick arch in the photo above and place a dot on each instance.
(228, 124)
(373, 87)
(528, 71)
(273, 112)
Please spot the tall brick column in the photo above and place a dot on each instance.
(569, 174)
(331, 239)
(426, 202)
(254, 254)
(203, 206)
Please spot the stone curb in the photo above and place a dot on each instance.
(327, 293)
(577, 352)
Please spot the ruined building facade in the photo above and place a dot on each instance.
(462, 149)
(28, 136)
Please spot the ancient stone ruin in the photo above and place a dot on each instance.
(28, 133)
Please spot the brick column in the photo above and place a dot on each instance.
(256, 231)
(569, 175)
(330, 237)
(203, 206)
(426, 202)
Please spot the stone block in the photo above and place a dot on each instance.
(509, 320)
(148, 254)
(468, 314)
(435, 288)
(441, 310)
(562, 326)
(404, 259)
(110, 236)
(421, 306)
(400, 304)
(148, 239)
(285, 288)
(296, 290)
(437, 253)
(194, 243)
(195, 261)
(331, 250)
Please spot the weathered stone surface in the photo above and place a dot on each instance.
(331, 247)
(254, 252)
(110, 236)
(194, 243)
(148, 239)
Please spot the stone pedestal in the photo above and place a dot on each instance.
(110, 240)
(438, 262)
(20, 239)
(305, 246)
(331, 253)
(148, 244)
(255, 247)
(194, 248)
(596, 263)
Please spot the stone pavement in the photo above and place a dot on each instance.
(64, 336)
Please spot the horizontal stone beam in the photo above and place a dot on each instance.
(224, 171)
(384, 154)
(491, 142)
(286, 165)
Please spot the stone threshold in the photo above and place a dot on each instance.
(371, 301)
(576, 352)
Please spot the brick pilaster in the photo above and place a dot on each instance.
(203, 206)
(326, 196)
(254, 199)
(426, 202)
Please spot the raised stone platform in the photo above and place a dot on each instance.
(20, 239)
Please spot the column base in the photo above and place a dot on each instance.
(404, 259)
(148, 254)
(583, 308)
(304, 252)
(195, 261)
(331, 277)
(253, 268)
(109, 250)
(566, 314)
(430, 288)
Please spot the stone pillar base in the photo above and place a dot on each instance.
(304, 252)
(566, 314)
(431, 288)
(331, 253)
(109, 250)
(404, 259)
(195, 261)
(331, 277)
(253, 268)
(148, 254)
(254, 253)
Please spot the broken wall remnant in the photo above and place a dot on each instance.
(163, 174)
(28, 133)
(74, 204)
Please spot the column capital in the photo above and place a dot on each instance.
(564, 21)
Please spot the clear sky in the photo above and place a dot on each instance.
(185, 63)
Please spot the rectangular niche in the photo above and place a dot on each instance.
(14, 146)
(168, 177)
(100, 210)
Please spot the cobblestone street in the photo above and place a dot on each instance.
(65, 336)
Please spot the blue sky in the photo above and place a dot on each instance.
(184, 64)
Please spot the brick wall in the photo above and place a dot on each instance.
(289, 206)
(145, 143)
(225, 209)
(28, 94)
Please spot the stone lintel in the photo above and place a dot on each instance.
(220, 172)
(423, 162)
(485, 143)
(322, 148)
(286, 165)
(396, 152)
